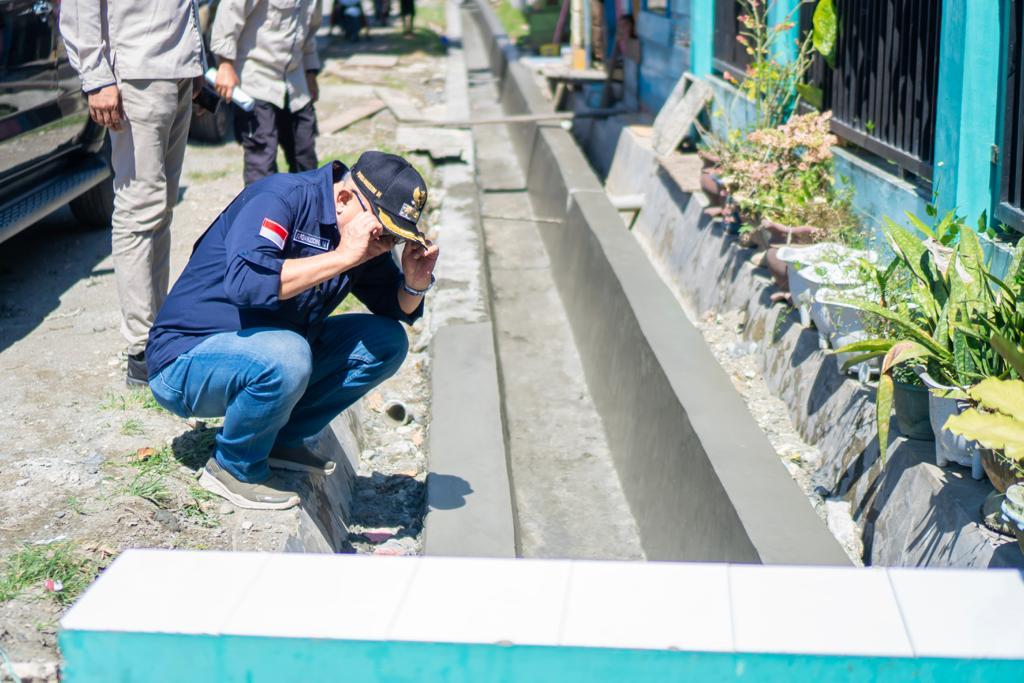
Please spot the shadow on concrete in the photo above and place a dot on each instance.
(395, 500)
(448, 491)
(384, 41)
(39, 265)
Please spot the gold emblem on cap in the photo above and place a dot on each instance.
(419, 197)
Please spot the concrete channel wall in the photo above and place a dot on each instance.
(701, 479)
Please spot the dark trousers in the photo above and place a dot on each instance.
(261, 130)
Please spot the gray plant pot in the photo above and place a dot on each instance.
(912, 414)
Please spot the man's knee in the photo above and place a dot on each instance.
(389, 344)
(286, 363)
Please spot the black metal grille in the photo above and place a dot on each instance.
(729, 56)
(1011, 193)
(882, 92)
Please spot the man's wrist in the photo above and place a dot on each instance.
(416, 288)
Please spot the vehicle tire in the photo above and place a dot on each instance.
(94, 208)
(211, 128)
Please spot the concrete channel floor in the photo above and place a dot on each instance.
(569, 503)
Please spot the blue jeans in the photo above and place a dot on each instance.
(274, 388)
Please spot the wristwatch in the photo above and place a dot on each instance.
(417, 292)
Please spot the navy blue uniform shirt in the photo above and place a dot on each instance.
(234, 274)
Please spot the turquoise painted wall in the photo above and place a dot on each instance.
(96, 657)
(967, 112)
(702, 34)
(779, 12)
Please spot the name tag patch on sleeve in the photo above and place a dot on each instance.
(321, 243)
(274, 232)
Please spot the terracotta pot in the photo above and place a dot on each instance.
(712, 186)
(998, 471)
(777, 268)
(780, 234)
(731, 219)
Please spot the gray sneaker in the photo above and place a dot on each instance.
(300, 459)
(272, 494)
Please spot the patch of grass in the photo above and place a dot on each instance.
(161, 462)
(206, 176)
(150, 487)
(132, 427)
(193, 508)
(75, 505)
(513, 20)
(350, 305)
(32, 565)
(529, 29)
(431, 16)
(132, 398)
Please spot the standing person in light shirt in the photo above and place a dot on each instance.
(139, 63)
(268, 49)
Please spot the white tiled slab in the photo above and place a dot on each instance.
(153, 591)
(962, 613)
(658, 606)
(463, 600)
(815, 610)
(318, 596)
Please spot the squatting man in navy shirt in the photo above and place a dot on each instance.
(247, 332)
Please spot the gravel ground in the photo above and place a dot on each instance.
(724, 334)
(89, 468)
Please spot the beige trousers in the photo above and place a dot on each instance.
(146, 154)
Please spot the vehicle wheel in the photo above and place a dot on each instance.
(211, 128)
(94, 208)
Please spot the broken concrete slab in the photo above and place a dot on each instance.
(442, 144)
(403, 108)
(349, 115)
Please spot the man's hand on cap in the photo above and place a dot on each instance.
(360, 240)
(418, 263)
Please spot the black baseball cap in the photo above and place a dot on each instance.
(395, 190)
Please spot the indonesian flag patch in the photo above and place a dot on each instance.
(273, 232)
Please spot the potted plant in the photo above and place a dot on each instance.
(910, 404)
(942, 323)
(996, 421)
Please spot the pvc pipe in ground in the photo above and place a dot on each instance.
(397, 413)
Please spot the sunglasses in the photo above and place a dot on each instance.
(384, 233)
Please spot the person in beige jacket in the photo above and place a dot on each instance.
(268, 48)
(137, 62)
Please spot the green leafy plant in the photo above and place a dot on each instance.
(771, 83)
(998, 420)
(786, 175)
(944, 320)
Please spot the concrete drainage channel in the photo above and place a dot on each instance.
(623, 437)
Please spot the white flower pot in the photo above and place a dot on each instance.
(846, 326)
(811, 267)
(950, 447)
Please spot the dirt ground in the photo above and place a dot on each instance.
(88, 467)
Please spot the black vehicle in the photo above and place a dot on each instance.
(51, 152)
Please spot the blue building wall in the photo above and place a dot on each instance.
(968, 118)
(665, 52)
